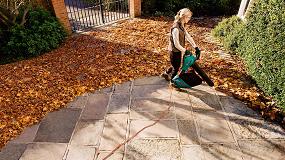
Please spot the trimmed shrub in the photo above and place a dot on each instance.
(229, 31)
(198, 7)
(261, 42)
(41, 33)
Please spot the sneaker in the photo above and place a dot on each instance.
(165, 76)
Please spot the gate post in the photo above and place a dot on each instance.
(101, 11)
(135, 8)
(61, 13)
(242, 8)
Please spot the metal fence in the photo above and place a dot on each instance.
(84, 14)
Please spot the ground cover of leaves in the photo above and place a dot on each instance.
(127, 50)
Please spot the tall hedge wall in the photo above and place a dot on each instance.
(260, 40)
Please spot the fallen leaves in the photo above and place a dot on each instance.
(231, 77)
(113, 54)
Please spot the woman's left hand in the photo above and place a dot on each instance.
(197, 52)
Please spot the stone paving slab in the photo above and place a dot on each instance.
(105, 90)
(96, 107)
(228, 151)
(177, 95)
(87, 133)
(75, 152)
(78, 102)
(188, 132)
(150, 104)
(51, 151)
(252, 128)
(136, 115)
(163, 129)
(214, 131)
(156, 149)
(119, 103)
(12, 151)
(205, 102)
(58, 126)
(115, 156)
(201, 124)
(193, 152)
(235, 108)
(123, 88)
(154, 80)
(152, 91)
(222, 151)
(28, 135)
(183, 109)
(202, 114)
(114, 133)
(202, 89)
(263, 149)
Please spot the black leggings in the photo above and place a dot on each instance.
(175, 59)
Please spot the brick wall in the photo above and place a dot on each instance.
(135, 8)
(61, 13)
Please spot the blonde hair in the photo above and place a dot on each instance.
(181, 13)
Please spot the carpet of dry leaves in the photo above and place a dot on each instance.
(130, 49)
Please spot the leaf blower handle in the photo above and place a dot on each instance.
(188, 61)
(197, 52)
(187, 52)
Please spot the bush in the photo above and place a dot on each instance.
(199, 7)
(261, 42)
(41, 33)
(229, 31)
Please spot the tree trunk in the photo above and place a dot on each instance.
(23, 21)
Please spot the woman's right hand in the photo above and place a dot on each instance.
(187, 52)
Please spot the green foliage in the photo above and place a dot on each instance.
(199, 7)
(229, 31)
(41, 33)
(261, 42)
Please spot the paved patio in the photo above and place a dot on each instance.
(202, 124)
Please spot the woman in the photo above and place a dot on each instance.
(176, 46)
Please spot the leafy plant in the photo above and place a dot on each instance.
(261, 42)
(199, 7)
(229, 31)
(41, 33)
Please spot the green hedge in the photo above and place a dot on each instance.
(199, 7)
(230, 31)
(41, 33)
(260, 40)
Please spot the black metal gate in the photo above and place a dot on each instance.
(84, 14)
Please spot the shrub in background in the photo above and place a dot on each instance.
(261, 42)
(41, 33)
(199, 7)
(230, 31)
